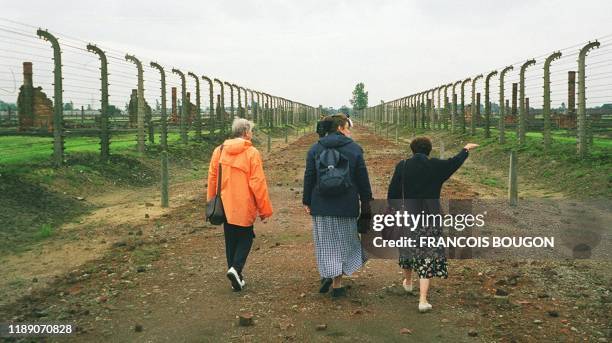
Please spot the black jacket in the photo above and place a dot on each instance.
(347, 203)
(424, 176)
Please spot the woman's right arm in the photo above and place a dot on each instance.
(213, 167)
(310, 178)
(395, 187)
(453, 163)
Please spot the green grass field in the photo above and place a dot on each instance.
(28, 149)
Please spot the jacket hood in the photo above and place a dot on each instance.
(236, 145)
(335, 140)
(232, 154)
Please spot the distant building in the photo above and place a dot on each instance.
(34, 108)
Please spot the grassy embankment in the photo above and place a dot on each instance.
(559, 169)
(36, 198)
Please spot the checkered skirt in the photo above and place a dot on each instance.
(337, 245)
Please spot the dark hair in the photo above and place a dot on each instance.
(337, 120)
(421, 145)
(323, 127)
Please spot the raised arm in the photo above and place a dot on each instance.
(451, 165)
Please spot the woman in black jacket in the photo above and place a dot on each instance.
(417, 181)
(334, 213)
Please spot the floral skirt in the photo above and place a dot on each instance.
(427, 262)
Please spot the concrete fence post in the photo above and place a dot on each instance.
(198, 118)
(463, 104)
(211, 99)
(454, 107)
(502, 113)
(164, 114)
(583, 121)
(513, 180)
(546, 105)
(473, 105)
(522, 110)
(104, 120)
(164, 179)
(140, 103)
(487, 123)
(58, 102)
(184, 106)
(221, 105)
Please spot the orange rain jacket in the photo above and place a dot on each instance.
(244, 190)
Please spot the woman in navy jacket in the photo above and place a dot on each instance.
(337, 245)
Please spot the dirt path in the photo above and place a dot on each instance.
(166, 282)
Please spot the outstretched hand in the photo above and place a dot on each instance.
(470, 146)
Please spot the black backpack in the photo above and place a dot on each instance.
(333, 174)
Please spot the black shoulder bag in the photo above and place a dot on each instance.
(215, 213)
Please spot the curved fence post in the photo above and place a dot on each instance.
(198, 118)
(546, 105)
(583, 120)
(58, 102)
(473, 105)
(221, 105)
(454, 110)
(104, 122)
(487, 125)
(522, 112)
(164, 114)
(211, 100)
(140, 103)
(231, 88)
(184, 106)
(463, 103)
(439, 109)
(446, 105)
(238, 100)
(502, 109)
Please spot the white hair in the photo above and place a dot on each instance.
(241, 126)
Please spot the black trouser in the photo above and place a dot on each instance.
(238, 241)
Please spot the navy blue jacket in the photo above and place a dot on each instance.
(347, 203)
(424, 176)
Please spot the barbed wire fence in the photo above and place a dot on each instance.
(554, 96)
(59, 90)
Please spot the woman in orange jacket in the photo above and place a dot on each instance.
(244, 194)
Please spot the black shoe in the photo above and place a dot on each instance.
(338, 292)
(325, 283)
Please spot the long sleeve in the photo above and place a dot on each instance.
(451, 165)
(395, 187)
(310, 178)
(213, 169)
(259, 187)
(363, 180)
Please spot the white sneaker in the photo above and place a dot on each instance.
(407, 286)
(234, 278)
(424, 307)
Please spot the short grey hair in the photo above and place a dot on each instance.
(241, 126)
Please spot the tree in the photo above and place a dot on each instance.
(69, 106)
(344, 110)
(360, 97)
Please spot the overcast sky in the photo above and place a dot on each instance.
(316, 51)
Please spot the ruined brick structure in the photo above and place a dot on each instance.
(133, 108)
(34, 108)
